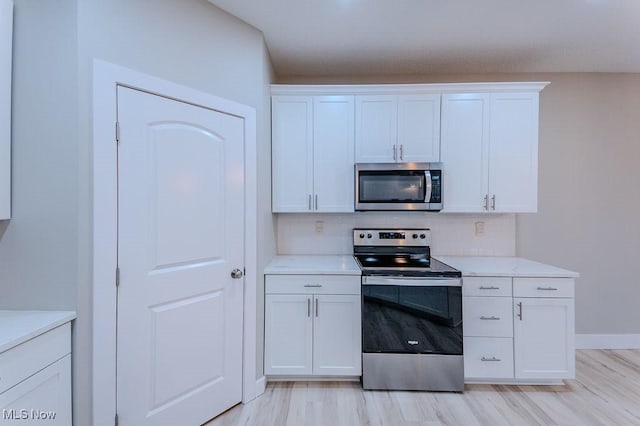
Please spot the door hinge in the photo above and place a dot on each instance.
(117, 277)
(117, 132)
(115, 420)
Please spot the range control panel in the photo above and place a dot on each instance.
(392, 237)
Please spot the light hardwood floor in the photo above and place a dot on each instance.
(606, 391)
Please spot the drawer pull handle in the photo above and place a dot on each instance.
(492, 359)
(489, 288)
(547, 288)
(491, 318)
(313, 285)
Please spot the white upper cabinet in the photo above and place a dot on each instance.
(490, 152)
(6, 37)
(397, 128)
(333, 153)
(292, 153)
(313, 153)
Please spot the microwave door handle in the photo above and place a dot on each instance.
(427, 179)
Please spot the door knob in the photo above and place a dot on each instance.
(236, 274)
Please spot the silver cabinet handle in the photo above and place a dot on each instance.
(313, 285)
(493, 202)
(308, 307)
(401, 153)
(395, 155)
(489, 288)
(316, 308)
(486, 202)
(547, 288)
(492, 359)
(316, 201)
(520, 310)
(309, 201)
(491, 318)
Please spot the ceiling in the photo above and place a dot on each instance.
(393, 37)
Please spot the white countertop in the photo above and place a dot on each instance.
(483, 266)
(17, 327)
(324, 265)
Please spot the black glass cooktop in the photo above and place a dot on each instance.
(414, 265)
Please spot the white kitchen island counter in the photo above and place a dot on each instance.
(317, 265)
(489, 266)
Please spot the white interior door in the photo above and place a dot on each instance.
(180, 219)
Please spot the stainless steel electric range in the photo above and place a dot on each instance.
(411, 313)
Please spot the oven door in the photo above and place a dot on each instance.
(406, 315)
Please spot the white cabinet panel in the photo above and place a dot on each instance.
(488, 358)
(490, 152)
(312, 334)
(312, 153)
(376, 129)
(44, 398)
(333, 153)
(337, 339)
(488, 316)
(465, 151)
(6, 42)
(544, 338)
(292, 153)
(487, 286)
(288, 334)
(419, 128)
(398, 128)
(513, 159)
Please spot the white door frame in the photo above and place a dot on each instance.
(106, 77)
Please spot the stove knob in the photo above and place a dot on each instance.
(422, 236)
(369, 235)
(361, 235)
(415, 236)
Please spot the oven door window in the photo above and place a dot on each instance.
(425, 320)
(391, 186)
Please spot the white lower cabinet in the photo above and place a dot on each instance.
(35, 380)
(312, 325)
(518, 330)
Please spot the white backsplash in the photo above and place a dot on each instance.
(451, 234)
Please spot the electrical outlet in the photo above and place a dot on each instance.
(319, 226)
(479, 228)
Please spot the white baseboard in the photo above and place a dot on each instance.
(607, 341)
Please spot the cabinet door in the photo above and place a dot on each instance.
(464, 151)
(288, 334)
(513, 158)
(544, 338)
(419, 128)
(6, 37)
(44, 398)
(333, 153)
(337, 335)
(292, 153)
(376, 129)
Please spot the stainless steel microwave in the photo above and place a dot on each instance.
(398, 186)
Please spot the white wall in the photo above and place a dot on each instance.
(452, 234)
(45, 250)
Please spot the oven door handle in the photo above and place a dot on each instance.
(412, 281)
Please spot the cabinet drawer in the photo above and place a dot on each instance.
(487, 316)
(486, 286)
(543, 287)
(488, 358)
(26, 359)
(312, 284)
